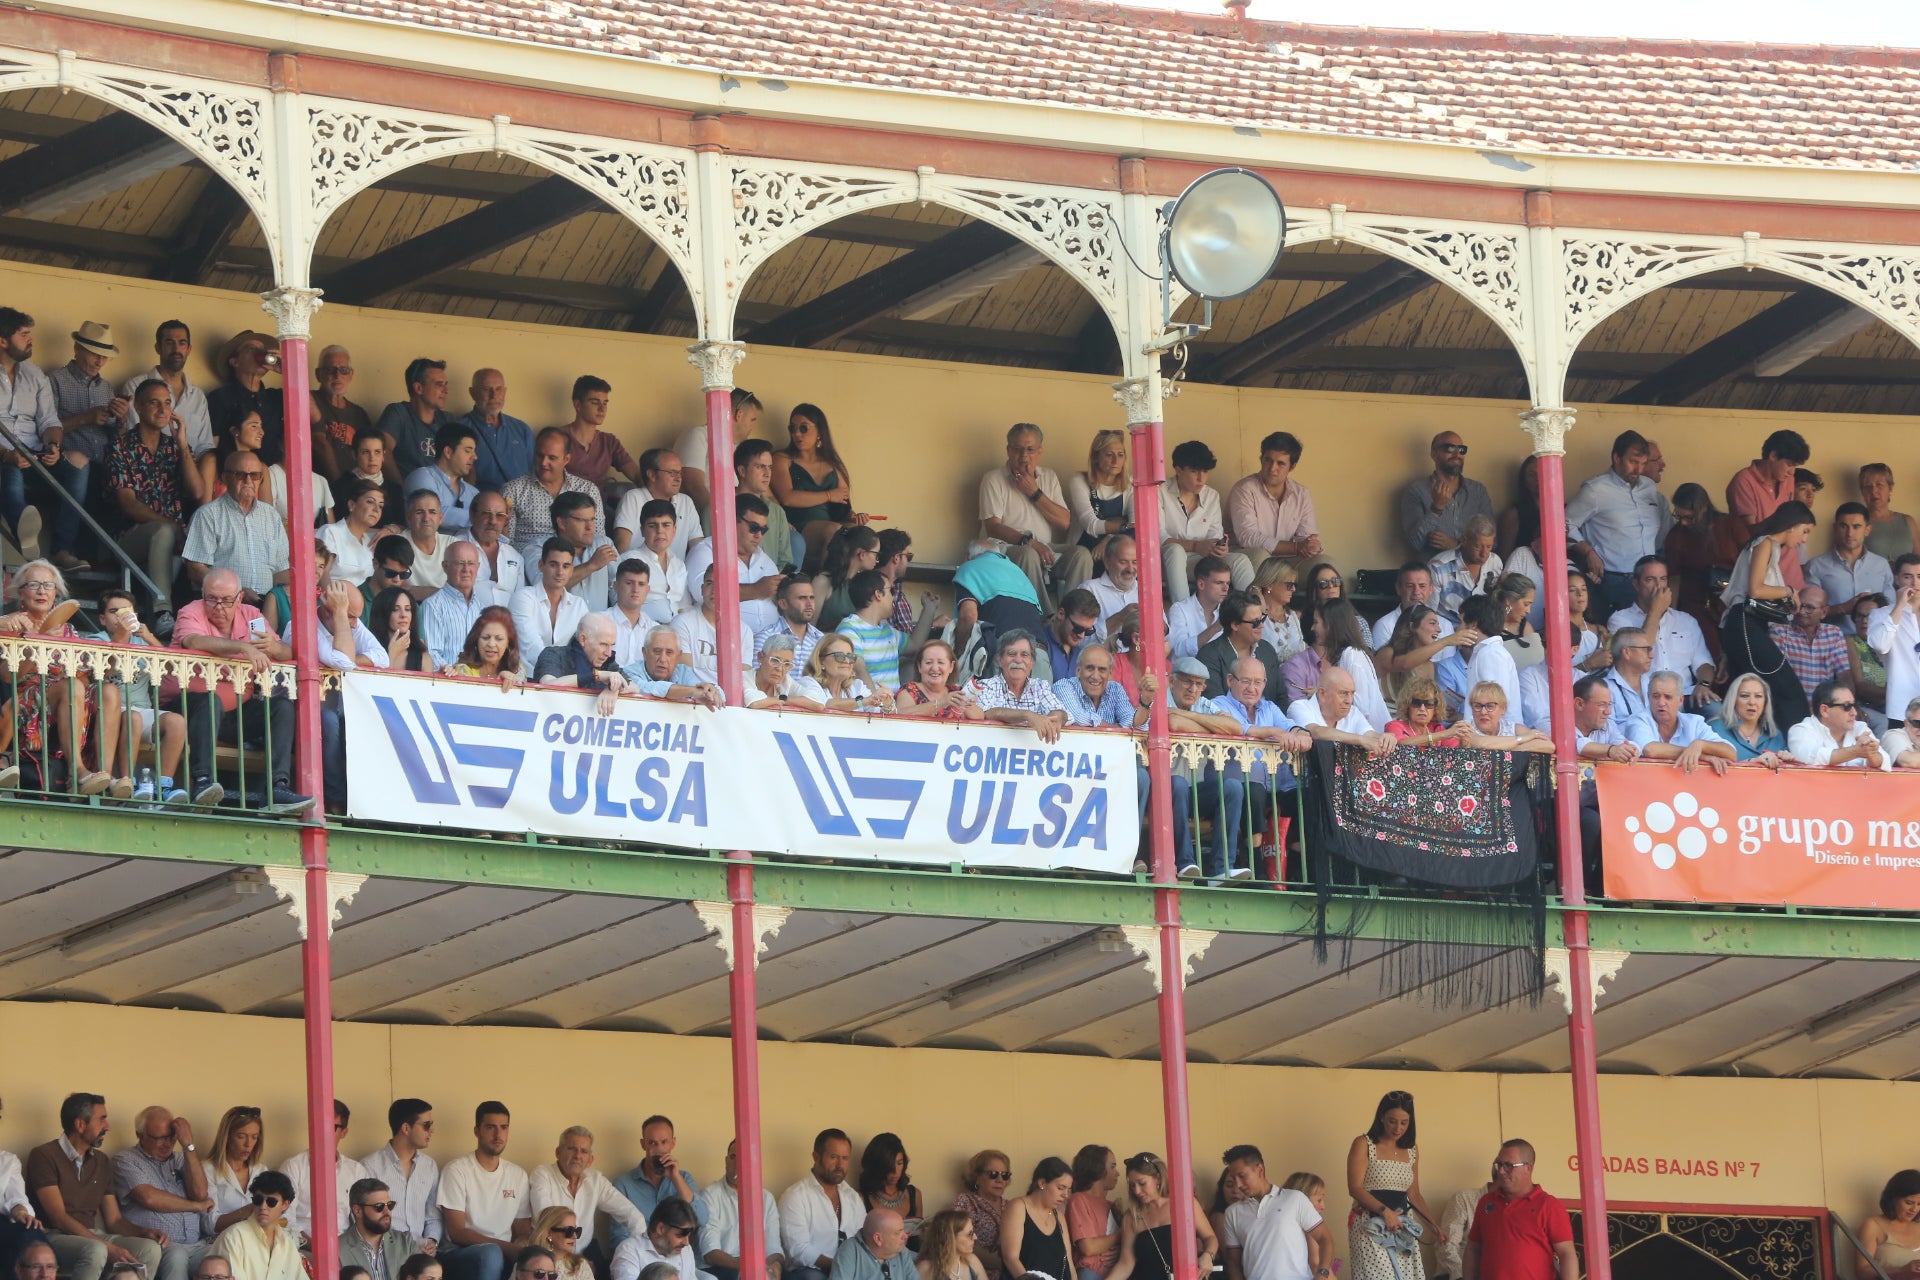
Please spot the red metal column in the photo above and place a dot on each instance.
(1149, 474)
(742, 999)
(1586, 1083)
(315, 958)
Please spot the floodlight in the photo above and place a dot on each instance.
(1224, 234)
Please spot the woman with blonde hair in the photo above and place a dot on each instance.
(837, 669)
(949, 1248)
(557, 1228)
(1146, 1226)
(1422, 716)
(236, 1161)
(1276, 582)
(1100, 499)
(984, 1201)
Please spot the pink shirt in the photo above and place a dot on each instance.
(1259, 523)
(1089, 1215)
(1750, 497)
(248, 624)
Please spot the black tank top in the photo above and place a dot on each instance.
(1047, 1253)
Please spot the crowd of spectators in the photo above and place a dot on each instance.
(167, 1208)
(475, 546)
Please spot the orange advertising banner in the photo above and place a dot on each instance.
(1800, 837)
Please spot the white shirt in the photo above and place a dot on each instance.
(13, 1185)
(1892, 745)
(1271, 1234)
(1491, 661)
(700, 645)
(757, 614)
(491, 1201)
(512, 575)
(630, 638)
(1203, 523)
(352, 558)
(1536, 698)
(417, 1198)
(539, 626)
(322, 495)
(1809, 742)
(1306, 713)
(686, 529)
(1679, 646)
(808, 1225)
(1896, 647)
(636, 1253)
(1368, 701)
(548, 1187)
(1185, 621)
(429, 567)
(299, 1171)
(666, 582)
(1112, 599)
(999, 500)
(721, 1229)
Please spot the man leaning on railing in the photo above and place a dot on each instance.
(221, 625)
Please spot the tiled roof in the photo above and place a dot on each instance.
(1829, 107)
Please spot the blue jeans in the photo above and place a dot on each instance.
(16, 486)
(1616, 591)
(1226, 826)
(473, 1262)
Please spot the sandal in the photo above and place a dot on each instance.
(9, 773)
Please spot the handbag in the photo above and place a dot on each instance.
(1769, 612)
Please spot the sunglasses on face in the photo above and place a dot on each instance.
(998, 1175)
(542, 1274)
(1420, 702)
(1457, 450)
(1079, 632)
(571, 1233)
(268, 1202)
(380, 1206)
(1841, 706)
(400, 574)
(754, 528)
(1508, 1166)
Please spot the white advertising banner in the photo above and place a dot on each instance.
(451, 754)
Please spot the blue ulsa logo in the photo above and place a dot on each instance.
(838, 797)
(434, 784)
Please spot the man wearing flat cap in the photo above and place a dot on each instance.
(245, 362)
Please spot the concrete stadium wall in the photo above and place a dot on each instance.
(918, 434)
(1700, 1141)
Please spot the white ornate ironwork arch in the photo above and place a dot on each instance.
(774, 205)
(351, 147)
(223, 125)
(1602, 277)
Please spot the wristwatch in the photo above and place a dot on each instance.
(191, 1147)
(1025, 538)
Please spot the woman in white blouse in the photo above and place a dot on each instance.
(1100, 499)
(236, 1148)
(350, 539)
(1350, 648)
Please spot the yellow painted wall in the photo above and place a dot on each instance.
(1803, 1143)
(918, 434)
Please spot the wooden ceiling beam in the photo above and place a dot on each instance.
(1320, 321)
(217, 217)
(869, 297)
(1735, 350)
(105, 155)
(472, 236)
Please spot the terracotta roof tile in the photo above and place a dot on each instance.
(1835, 107)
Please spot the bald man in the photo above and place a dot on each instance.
(1434, 508)
(1330, 716)
(586, 661)
(879, 1252)
(221, 624)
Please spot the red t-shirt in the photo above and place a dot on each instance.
(1516, 1237)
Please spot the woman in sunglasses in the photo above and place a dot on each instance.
(984, 1201)
(1422, 711)
(261, 1246)
(558, 1228)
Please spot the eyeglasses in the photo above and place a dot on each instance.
(1488, 706)
(998, 1175)
(1456, 450)
(254, 1112)
(1841, 706)
(1322, 583)
(571, 1233)
(1508, 1166)
(542, 1274)
(237, 476)
(680, 1233)
(38, 585)
(328, 370)
(1079, 632)
(225, 602)
(837, 655)
(269, 1202)
(401, 574)
(1420, 702)
(754, 528)
(380, 1206)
